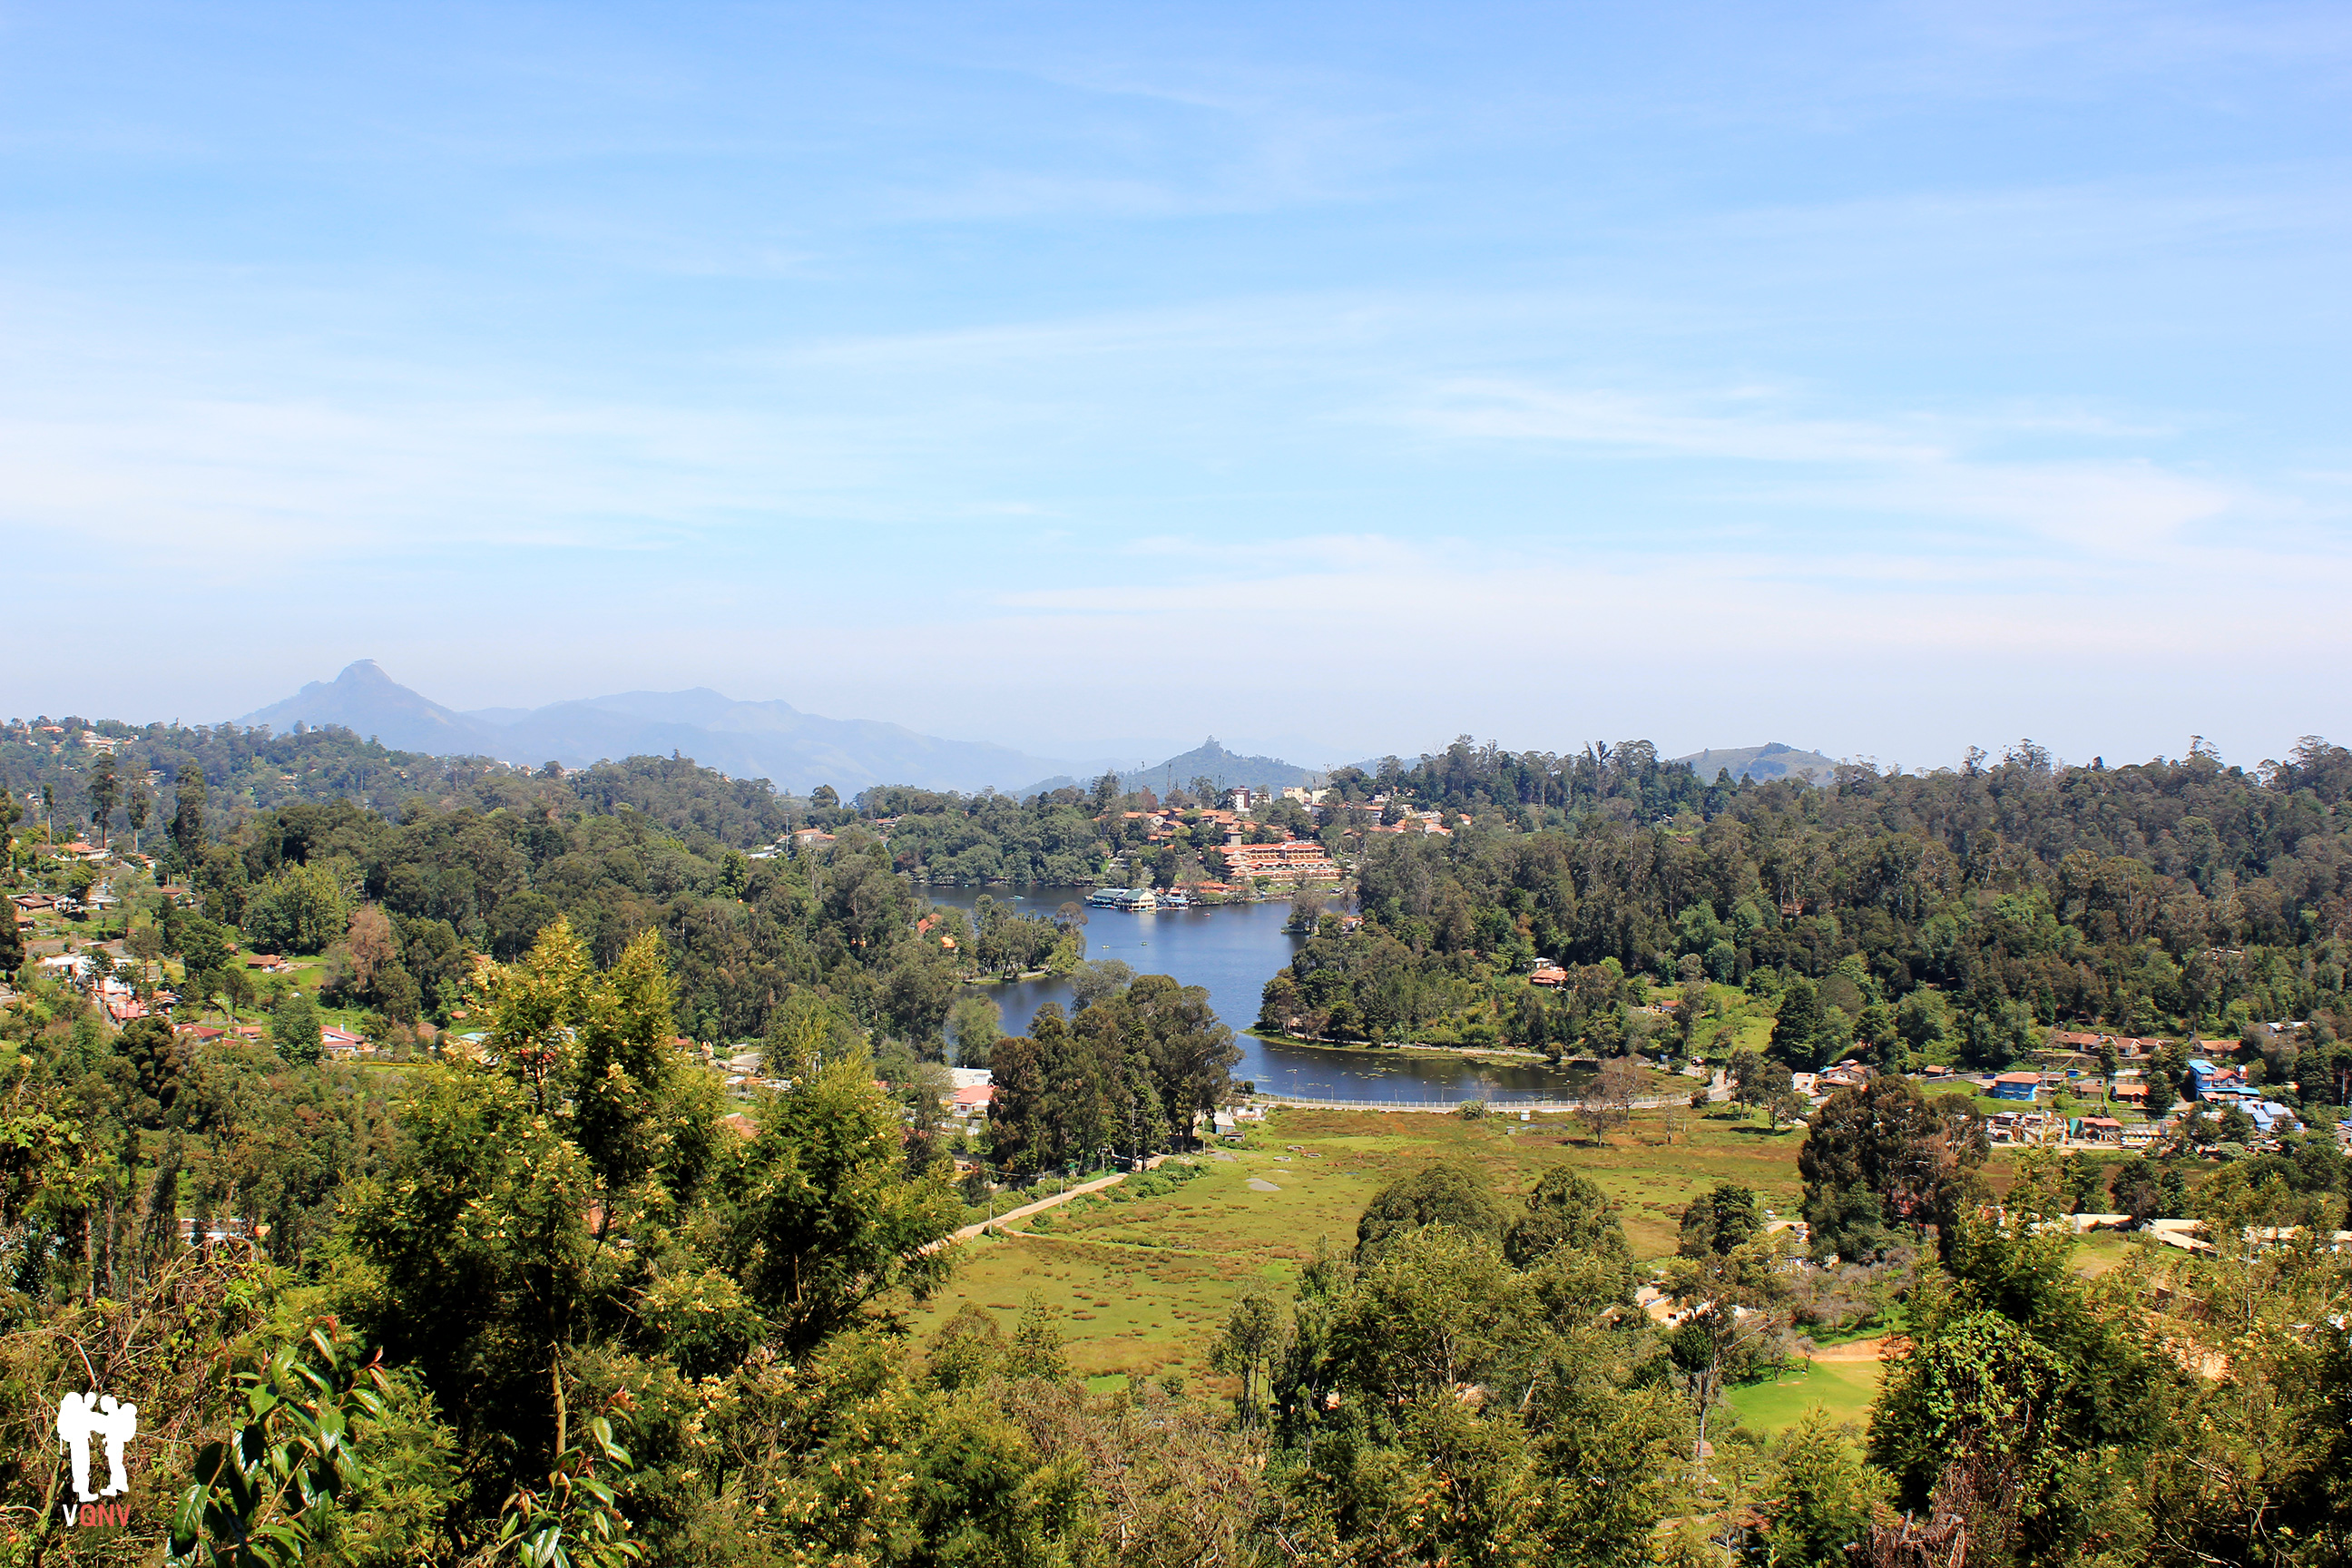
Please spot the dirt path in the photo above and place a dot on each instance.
(1888, 1347)
(1025, 1210)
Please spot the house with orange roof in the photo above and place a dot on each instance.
(2016, 1085)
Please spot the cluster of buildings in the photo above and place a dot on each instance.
(2040, 1127)
(2209, 1086)
(1292, 860)
(112, 986)
(51, 735)
(2069, 1067)
(117, 997)
(335, 1040)
(2224, 1086)
(1319, 805)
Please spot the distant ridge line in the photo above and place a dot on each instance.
(1773, 759)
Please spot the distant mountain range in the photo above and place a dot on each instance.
(797, 750)
(774, 740)
(1768, 761)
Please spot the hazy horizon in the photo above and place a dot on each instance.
(1130, 751)
(1123, 751)
(1877, 380)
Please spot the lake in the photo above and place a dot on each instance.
(1231, 953)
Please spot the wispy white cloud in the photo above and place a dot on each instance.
(1911, 468)
(1733, 424)
(2114, 508)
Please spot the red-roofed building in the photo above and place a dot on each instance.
(340, 1042)
(1292, 858)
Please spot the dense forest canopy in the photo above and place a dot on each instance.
(742, 930)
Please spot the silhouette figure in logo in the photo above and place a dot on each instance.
(81, 1417)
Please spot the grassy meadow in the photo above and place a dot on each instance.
(1140, 1286)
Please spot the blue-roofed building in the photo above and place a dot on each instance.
(2209, 1082)
(2270, 1116)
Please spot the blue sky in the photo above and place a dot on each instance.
(1882, 379)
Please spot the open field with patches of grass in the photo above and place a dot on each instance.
(1142, 1286)
(2100, 1250)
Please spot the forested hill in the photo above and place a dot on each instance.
(252, 769)
(1920, 915)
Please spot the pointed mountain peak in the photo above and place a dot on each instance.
(365, 700)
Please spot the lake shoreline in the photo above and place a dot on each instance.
(1231, 952)
(1490, 1055)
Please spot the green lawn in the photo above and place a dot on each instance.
(1843, 1388)
(2101, 1250)
(1142, 1286)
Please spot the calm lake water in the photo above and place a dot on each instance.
(1233, 952)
